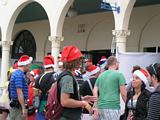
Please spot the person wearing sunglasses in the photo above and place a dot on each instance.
(154, 102)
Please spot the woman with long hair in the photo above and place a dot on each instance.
(137, 97)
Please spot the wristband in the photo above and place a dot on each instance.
(83, 104)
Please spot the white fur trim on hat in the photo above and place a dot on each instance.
(25, 62)
(103, 59)
(36, 76)
(32, 73)
(49, 65)
(141, 76)
(102, 66)
(93, 71)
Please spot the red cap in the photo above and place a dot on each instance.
(48, 61)
(142, 74)
(35, 73)
(92, 70)
(24, 60)
(70, 53)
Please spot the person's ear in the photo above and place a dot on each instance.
(153, 77)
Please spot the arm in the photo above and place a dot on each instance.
(154, 107)
(66, 101)
(37, 92)
(21, 101)
(122, 87)
(123, 92)
(20, 97)
(95, 94)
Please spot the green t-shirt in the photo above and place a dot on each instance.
(108, 84)
(66, 84)
(42, 105)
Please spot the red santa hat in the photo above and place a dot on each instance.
(103, 62)
(70, 53)
(48, 61)
(35, 73)
(92, 70)
(142, 74)
(24, 60)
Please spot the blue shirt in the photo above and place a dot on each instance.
(18, 80)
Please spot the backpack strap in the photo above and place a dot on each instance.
(90, 85)
(40, 79)
(43, 76)
(59, 77)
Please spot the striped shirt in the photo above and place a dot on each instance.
(18, 80)
(154, 106)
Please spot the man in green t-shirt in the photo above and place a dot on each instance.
(109, 85)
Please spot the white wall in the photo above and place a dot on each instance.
(144, 26)
(98, 31)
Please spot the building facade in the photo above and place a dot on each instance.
(134, 29)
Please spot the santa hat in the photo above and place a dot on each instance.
(103, 62)
(24, 60)
(70, 53)
(142, 74)
(92, 70)
(48, 61)
(35, 73)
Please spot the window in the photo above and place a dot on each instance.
(151, 49)
(24, 44)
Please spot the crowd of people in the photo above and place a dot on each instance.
(96, 98)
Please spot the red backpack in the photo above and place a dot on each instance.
(53, 107)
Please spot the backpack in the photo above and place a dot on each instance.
(43, 83)
(53, 107)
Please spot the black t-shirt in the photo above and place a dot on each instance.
(45, 81)
(85, 89)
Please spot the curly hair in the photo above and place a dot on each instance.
(72, 65)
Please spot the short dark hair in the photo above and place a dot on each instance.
(154, 69)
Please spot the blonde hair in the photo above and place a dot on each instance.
(112, 60)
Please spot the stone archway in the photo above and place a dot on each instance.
(12, 11)
(15, 14)
(149, 37)
(30, 22)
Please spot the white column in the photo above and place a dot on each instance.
(5, 59)
(121, 37)
(56, 42)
